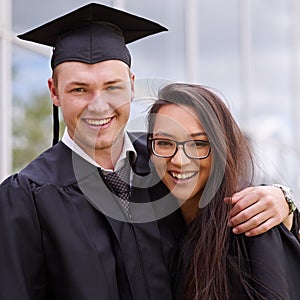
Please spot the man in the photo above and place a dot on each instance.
(67, 232)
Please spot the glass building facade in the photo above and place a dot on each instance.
(249, 50)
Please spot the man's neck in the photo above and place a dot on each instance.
(106, 157)
(100, 158)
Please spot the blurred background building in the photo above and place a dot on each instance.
(249, 50)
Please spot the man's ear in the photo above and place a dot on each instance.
(53, 92)
(132, 77)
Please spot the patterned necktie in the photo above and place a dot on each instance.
(118, 182)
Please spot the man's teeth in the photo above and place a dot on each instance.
(98, 122)
(183, 175)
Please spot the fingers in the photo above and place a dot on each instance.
(241, 201)
(259, 229)
(257, 224)
(252, 215)
(239, 195)
(257, 209)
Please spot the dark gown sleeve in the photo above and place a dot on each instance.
(21, 256)
(273, 260)
(296, 224)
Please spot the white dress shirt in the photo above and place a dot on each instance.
(127, 147)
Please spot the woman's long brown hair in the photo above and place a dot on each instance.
(205, 251)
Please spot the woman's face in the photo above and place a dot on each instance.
(185, 177)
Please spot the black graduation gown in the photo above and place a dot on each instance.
(271, 259)
(56, 245)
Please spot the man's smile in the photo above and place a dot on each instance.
(97, 122)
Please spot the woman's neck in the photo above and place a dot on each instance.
(190, 209)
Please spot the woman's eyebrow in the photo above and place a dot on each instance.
(164, 134)
(198, 134)
(169, 135)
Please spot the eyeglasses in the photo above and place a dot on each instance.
(168, 148)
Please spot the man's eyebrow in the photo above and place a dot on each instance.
(114, 81)
(77, 83)
(108, 82)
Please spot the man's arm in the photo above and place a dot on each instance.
(257, 209)
(22, 275)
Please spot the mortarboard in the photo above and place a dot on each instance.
(91, 34)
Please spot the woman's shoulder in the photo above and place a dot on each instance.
(273, 259)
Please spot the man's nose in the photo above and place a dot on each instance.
(99, 103)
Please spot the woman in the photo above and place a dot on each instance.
(202, 157)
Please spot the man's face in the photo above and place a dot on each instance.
(95, 102)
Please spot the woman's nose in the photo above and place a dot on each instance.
(180, 157)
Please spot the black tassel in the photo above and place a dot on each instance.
(55, 125)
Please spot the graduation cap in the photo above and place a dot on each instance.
(91, 34)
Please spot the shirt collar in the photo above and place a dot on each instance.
(127, 148)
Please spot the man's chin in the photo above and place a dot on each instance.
(92, 145)
(99, 145)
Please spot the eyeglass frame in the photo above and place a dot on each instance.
(151, 140)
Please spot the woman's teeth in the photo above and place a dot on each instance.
(186, 175)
